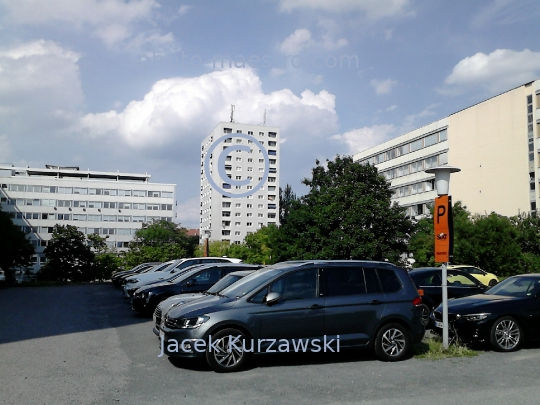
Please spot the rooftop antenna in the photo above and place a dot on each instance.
(232, 113)
(264, 118)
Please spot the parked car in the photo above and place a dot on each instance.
(182, 299)
(506, 315)
(341, 303)
(116, 277)
(123, 279)
(197, 279)
(135, 282)
(484, 277)
(2, 276)
(428, 279)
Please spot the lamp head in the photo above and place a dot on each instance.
(442, 177)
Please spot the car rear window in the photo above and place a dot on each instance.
(389, 280)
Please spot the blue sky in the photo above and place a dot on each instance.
(135, 86)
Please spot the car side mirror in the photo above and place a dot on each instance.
(191, 282)
(272, 298)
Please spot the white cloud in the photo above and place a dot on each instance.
(501, 70)
(184, 9)
(275, 72)
(301, 40)
(391, 108)
(112, 21)
(504, 12)
(180, 108)
(383, 86)
(373, 9)
(296, 42)
(364, 138)
(38, 79)
(415, 120)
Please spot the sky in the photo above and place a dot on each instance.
(135, 86)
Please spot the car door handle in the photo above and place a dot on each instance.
(316, 306)
(375, 302)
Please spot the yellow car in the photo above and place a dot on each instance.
(484, 277)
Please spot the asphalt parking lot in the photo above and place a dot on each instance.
(83, 345)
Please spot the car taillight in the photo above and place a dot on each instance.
(420, 292)
(417, 301)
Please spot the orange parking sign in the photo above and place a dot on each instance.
(442, 218)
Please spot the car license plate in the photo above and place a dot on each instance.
(439, 324)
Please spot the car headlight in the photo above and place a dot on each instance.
(186, 323)
(474, 317)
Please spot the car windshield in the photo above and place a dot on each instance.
(516, 287)
(159, 267)
(223, 283)
(176, 271)
(251, 282)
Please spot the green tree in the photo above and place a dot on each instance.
(216, 248)
(15, 249)
(286, 199)
(347, 214)
(106, 261)
(159, 241)
(498, 244)
(257, 247)
(69, 258)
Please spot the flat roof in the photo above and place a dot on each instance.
(74, 172)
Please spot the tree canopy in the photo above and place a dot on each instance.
(69, 258)
(15, 249)
(498, 244)
(160, 241)
(347, 214)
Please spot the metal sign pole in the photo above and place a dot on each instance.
(445, 305)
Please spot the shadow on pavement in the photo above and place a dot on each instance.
(31, 313)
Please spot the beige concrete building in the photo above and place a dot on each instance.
(493, 142)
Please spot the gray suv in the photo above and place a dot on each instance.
(305, 306)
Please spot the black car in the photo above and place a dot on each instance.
(428, 280)
(506, 315)
(308, 306)
(199, 279)
(116, 277)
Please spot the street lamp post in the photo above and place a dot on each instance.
(206, 237)
(443, 233)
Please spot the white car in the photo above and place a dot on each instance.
(137, 281)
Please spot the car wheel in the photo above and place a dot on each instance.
(492, 282)
(226, 353)
(392, 342)
(506, 334)
(425, 314)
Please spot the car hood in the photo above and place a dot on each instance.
(473, 302)
(150, 276)
(175, 299)
(201, 306)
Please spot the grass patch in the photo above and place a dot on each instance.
(432, 349)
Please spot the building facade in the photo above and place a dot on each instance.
(112, 205)
(494, 143)
(243, 166)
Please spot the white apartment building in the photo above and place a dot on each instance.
(111, 204)
(244, 166)
(495, 144)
